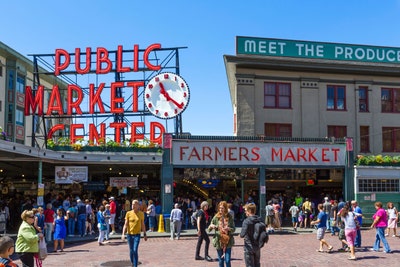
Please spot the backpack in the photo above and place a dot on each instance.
(260, 235)
(193, 218)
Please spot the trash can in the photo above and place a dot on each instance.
(167, 222)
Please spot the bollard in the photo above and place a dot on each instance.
(161, 224)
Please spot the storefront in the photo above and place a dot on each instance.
(261, 165)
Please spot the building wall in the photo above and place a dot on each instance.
(12, 102)
(308, 114)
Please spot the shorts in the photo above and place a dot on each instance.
(321, 233)
(294, 220)
(350, 236)
(112, 218)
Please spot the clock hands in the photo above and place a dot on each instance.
(166, 95)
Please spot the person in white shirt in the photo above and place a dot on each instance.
(176, 221)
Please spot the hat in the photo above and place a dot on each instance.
(111, 198)
(79, 200)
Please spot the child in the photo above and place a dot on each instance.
(6, 250)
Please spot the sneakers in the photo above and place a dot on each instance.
(112, 233)
(199, 258)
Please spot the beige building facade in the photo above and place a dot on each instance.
(302, 89)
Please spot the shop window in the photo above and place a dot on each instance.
(278, 130)
(390, 100)
(336, 97)
(363, 99)
(277, 95)
(390, 139)
(337, 131)
(364, 139)
(378, 185)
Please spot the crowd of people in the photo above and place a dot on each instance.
(65, 216)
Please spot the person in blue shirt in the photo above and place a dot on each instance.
(321, 227)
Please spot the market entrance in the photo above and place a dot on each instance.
(256, 166)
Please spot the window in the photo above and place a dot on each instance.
(19, 117)
(390, 139)
(390, 100)
(363, 99)
(20, 85)
(364, 139)
(337, 131)
(336, 97)
(277, 95)
(10, 80)
(378, 185)
(278, 130)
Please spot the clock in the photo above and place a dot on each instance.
(166, 95)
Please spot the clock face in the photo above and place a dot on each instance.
(166, 95)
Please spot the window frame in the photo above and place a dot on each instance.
(277, 96)
(277, 130)
(392, 131)
(336, 130)
(391, 101)
(335, 99)
(364, 139)
(363, 102)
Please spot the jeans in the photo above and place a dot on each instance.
(226, 258)
(82, 224)
(357, 242)
(380, 236)
(48, 231)
(133, 242)
(71, 226)
(252, 258)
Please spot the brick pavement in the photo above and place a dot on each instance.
(284, 249)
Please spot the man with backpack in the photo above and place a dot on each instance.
(254, 236)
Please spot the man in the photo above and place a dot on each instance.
(269, 218)
(251, 247)
(321, 227)
(294, 211)
(327, 209)
(176, 222)
(357, 209)
(202, 220)
(134, 224)
(113, 213)
(81, 217)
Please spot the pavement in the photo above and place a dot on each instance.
(285, 248)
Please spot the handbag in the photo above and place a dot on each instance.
(42, 249)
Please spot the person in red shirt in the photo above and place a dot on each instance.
(113, 212)
(49, 216)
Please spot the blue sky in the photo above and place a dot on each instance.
(208, 28)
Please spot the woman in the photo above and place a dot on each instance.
(350, 229)
(60, 229)
(151, 213)
(223, 240)
(39, 220)
(380, 224)
(101, 225)
(27, 243)
(202, 219)
(392, 214)
(49, 215)
(134, 224)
